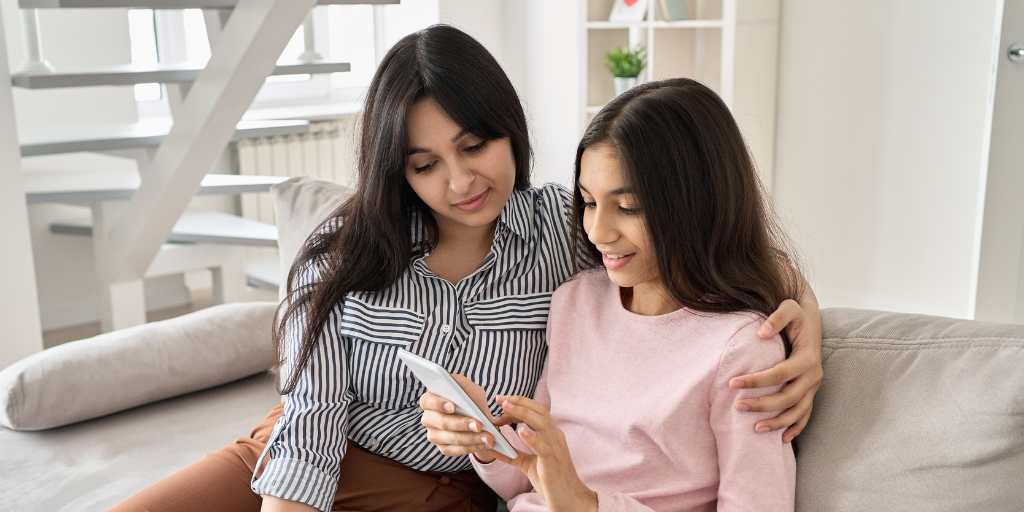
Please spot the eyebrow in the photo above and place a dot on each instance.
(461, 134)
(617, 192)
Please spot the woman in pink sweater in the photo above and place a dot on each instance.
(635, 410)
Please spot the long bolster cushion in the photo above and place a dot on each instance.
(94, 377)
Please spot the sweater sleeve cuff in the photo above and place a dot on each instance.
(494, 471)
(295, 480)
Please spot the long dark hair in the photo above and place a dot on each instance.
(719, 247)
(372, 247)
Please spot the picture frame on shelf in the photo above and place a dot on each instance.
(674, 10)
(628, 11)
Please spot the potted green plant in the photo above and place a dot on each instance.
(625, 65)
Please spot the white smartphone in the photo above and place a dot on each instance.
(441, 383)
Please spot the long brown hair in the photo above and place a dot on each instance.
(719, 247)
(372, 247)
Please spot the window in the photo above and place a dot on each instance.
(359, 35)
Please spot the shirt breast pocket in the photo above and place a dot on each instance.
(374, 334)
(511, 312)
(511, 331)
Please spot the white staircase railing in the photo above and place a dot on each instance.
(253, 38)
(19, 302)
(246, 38)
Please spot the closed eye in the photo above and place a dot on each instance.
(424, 168)
(476, 147)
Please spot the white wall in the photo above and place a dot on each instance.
(552, 45)
(64, 276)
(880, 149)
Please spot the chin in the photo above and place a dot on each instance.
(478, 219)
(621, 279)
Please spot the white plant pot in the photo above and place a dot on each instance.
(623, 84)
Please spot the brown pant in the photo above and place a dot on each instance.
(220, 482)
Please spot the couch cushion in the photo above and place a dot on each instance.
(95, 464)
(300, 205)
(915, 413)
(114, 371)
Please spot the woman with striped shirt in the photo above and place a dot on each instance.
(444, 250)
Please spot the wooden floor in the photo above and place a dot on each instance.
(201, 298)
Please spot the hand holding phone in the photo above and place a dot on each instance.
(439, 382)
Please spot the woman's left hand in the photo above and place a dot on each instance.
(801, 373)
(550, 467)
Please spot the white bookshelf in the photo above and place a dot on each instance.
(696, 47)
(729, 45)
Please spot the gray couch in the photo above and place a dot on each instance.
(915, 413)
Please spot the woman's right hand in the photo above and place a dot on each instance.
(454, 434)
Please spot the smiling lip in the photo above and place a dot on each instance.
(611, 263)
(474, 203)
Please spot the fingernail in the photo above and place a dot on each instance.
(449, 408)
(742, 407)
(736, 383)
(474, 427)
(487, 442)
(762, 429)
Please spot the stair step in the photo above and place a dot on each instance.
(84, 178)
(168, 4)
(71, 139)
(194, 227)
(131, 74)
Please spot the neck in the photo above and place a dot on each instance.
(649, 299)
(459, 237)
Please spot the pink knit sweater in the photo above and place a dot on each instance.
(646, 408)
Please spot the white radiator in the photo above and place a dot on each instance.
(327, 152)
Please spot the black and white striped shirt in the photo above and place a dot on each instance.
(490, 327)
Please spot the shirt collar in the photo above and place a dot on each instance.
(517, 215)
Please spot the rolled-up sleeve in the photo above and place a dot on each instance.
(308, 442)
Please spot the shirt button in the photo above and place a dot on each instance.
(446, 329)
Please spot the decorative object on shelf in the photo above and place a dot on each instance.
(625, 65)
(675, 10)
(628, 10)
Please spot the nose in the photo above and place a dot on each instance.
(600, 226)
(460, 179)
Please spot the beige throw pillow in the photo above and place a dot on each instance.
(89, 378)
